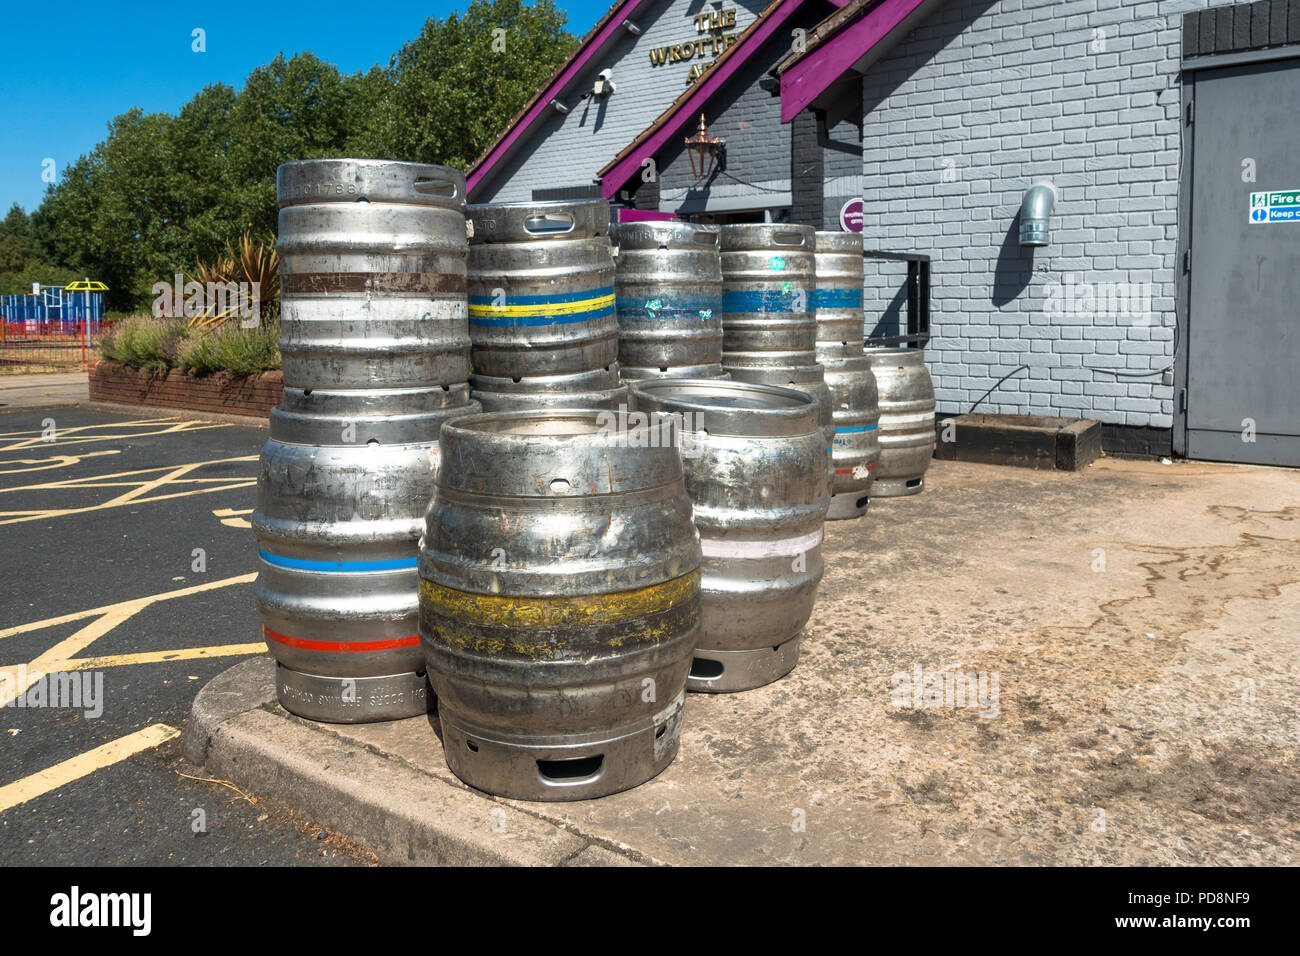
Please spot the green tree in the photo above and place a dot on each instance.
(460, 82)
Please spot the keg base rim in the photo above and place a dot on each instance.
(413, 697)
(743, 670)
(896, 487)
(848, 505)
(582, 770)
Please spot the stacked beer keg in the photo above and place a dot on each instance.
(375, 359)
(541, 306)
(668, 285)
(769, 328)
(838, 300)
(563, 568)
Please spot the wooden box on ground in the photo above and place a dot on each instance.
(1028, 441)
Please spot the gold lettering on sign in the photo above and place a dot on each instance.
(716, 42)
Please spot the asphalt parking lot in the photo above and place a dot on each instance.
(127, 560)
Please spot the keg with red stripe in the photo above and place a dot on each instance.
(755, 460)
(376, 357)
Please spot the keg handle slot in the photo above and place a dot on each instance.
(431, 186)
(559, 486)
(702, 668)
(788, 238)
(709, 239)
(571, 772)
(548, 223)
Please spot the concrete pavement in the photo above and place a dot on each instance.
(44, 390)
(1130, 636)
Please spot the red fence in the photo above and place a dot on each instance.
(49, 343)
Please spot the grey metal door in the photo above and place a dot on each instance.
(1243, 344)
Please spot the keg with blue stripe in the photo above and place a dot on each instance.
(541, 289)
(376, 352)
(767, 293)
(755, 461)
(668, 294)
(838, 300)
(559, 601)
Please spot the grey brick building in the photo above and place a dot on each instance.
(937, 117)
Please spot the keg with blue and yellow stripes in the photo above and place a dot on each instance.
(541, 288)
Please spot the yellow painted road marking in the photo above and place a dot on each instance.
(150, 657)
(109, 616)
(76, 434)
(171, 475)
(62, 774)
(49, 464)
(231, 517)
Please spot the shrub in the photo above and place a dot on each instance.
(229, 348)
(144, 342)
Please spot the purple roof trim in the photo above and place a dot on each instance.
(810, 77)
(711, 82)
(543, 103)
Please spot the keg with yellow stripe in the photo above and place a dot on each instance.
(755, 463)
(541, 288)
(559, 602)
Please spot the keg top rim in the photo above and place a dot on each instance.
(731, 407)
(551, 423)
(833, 240)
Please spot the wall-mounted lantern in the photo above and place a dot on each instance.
(702, 150)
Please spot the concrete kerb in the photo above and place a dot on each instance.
(255, 421)
(401, 813)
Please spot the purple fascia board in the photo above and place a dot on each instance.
(539, 108)
(811, 76)
(712, 82)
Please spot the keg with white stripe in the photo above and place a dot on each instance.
(906, 420)
(856, 447)
(345, 479)
(755, 461)
(559, 602)
(372, 274)
(767, 293)
(668, 294)
(541, 288)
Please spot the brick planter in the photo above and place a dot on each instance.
(220, 393)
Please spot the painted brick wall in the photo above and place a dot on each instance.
(979, 102)
(569, 149)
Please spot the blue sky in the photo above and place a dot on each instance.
(67, 69)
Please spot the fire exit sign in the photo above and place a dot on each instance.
(1278, 206)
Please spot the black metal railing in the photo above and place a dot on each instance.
(918, 298)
